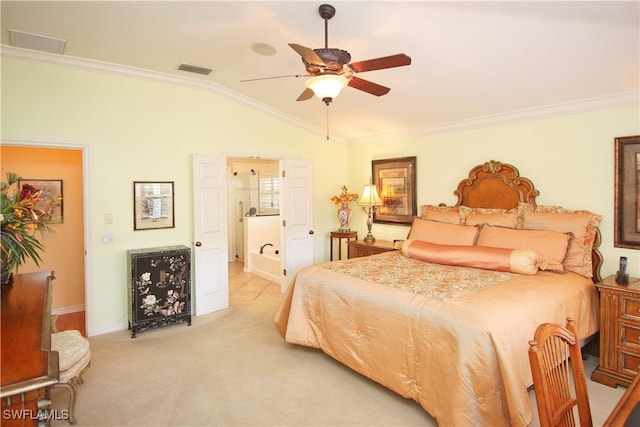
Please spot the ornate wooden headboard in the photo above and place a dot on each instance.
(499, 186)
(495, 185)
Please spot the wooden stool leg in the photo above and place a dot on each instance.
(80, 380)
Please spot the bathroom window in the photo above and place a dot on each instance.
(269, 195)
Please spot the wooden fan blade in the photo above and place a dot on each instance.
(369, 87)
(274, 77)
(308, 54)
(306, 94)
(392, 61)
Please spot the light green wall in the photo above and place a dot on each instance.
(570, 160)
(137, 129)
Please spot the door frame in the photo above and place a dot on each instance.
(84, 148)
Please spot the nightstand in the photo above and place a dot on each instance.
(619, 332)
(358, 248)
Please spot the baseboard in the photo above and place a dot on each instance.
(68, 310)
(108, 330)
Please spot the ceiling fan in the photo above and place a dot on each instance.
(330, 69)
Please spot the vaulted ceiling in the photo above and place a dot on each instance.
(473, 62)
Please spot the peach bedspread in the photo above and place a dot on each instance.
(461, 355)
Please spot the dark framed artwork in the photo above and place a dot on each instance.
(395, 180)
(153, 205)
(627, 192)
(51, 189)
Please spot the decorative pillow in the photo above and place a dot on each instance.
(448, 214)
(551, 246)
(500, 217)
(583, 225)
(521, 261)
(443, 233)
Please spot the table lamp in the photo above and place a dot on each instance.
(369, 200)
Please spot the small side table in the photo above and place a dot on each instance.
(341, 235)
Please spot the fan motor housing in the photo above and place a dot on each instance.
(334, 60)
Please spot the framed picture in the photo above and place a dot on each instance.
(395, 180)
(153, 205)
(627, 192)
(51, 189)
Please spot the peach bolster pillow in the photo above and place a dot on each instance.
(520, 261)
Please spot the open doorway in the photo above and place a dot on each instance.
(253, 191)
(253, 218)
(64, 244)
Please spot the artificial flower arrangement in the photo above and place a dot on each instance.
(345, 197)
(23, 213)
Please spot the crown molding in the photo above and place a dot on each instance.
(617, 100)
(10, 52)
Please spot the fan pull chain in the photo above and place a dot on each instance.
(327, 122)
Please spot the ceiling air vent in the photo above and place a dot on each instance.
(194, 69)
(36, 42)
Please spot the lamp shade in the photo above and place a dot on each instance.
(370, 196)
(326, 85)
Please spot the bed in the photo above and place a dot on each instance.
(446, 319)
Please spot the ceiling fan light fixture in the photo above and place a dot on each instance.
(327, 86)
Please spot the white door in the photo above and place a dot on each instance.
(210, 234)
(297, 229)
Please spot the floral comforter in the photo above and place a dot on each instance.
(455, 339)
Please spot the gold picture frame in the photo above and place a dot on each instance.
(395, 180)
(51, 189)
(153, 205)
(627, 192)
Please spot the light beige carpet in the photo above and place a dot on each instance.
(232, 368)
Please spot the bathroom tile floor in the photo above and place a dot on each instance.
(246, 287)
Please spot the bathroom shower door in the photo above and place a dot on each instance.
(242, 207)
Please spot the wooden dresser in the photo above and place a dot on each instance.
(29, 367)
(619, 332)
(358, 248)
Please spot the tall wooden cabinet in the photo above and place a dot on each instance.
(159, 287)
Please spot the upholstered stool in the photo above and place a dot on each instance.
(74, 356)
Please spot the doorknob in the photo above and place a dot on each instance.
(198, 244)
(310, 231)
